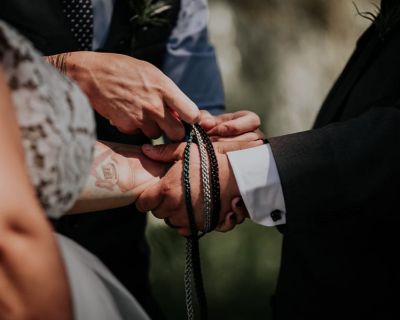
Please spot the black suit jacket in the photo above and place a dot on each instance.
(115, 236)
(341, 184)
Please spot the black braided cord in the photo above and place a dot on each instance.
(215, 187)
(192, 262)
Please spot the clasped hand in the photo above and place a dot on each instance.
(165, 199)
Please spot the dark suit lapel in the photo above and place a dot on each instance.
(366, 50)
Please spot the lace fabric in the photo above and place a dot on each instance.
(58, 135)
(55, 119)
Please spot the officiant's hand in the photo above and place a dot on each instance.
(237, 126)
(166, 198)
(132, 94)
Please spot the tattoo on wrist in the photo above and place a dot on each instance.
(105, 170)
(59, 61)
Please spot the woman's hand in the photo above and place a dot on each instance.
(119, 174)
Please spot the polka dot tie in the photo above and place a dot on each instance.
(80, 16)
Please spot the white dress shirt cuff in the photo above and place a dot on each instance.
(259, 184)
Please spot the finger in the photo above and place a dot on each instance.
(224, 147)
(179, 220)
(221, 118)
(238, 207)
(170, 224)
(241, 123)
(207, 120)
(175, 99)
(229, 222)
(125, 126)
(150, 198)
(151, 130)
(225, 117)
(171, 126)
(164, 152)
(249, 136)
(184, 232)
(171, 207)
(260, 134)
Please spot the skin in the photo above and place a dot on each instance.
(132, 94)
(33, 282)
(165, 198)
(119, 173)
(237, 126)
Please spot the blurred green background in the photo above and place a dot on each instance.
(279, 59)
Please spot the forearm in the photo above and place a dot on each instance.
(117, 177)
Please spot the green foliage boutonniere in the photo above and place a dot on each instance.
(149, 13)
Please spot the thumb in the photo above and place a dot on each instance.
(164, 152)
(207, 120)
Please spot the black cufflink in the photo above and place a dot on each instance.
(276, 215)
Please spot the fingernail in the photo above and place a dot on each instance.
(239, 203)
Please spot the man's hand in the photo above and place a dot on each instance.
(166, 198)
(236, 126)
(132, 94)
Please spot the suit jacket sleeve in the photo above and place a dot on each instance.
(341, 169)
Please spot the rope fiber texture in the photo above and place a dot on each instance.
(193, 277)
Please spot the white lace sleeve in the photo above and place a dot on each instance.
(56, 122)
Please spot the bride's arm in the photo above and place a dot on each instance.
(119, 173)
(32, 278)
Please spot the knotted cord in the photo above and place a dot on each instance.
(211, 206)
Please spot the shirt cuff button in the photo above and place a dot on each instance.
(276, 215)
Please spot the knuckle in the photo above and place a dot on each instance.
(229, 128)
(166, 190)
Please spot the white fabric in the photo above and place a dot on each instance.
(96, 293)
(56, 122)
(259, 183)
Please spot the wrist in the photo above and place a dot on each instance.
(78, 66)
